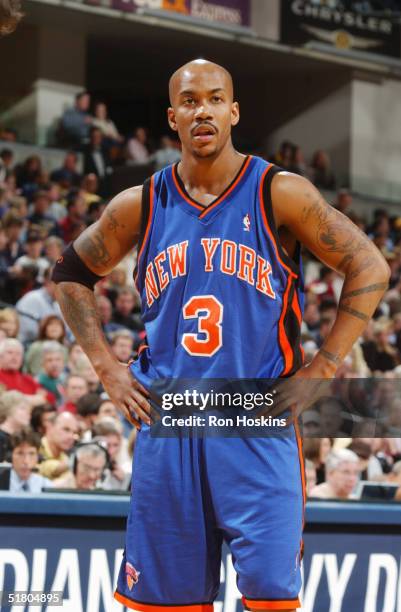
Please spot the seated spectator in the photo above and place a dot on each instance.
(126, 310)
(33, 249)
(137, 147)
(9, 322)
(50, 328)
(76, 121)
(75, 353)
(379, 354)
(105, 311)
(369, 465)
(96, 159)
(284, 155)
(20, 478)
(13, 227)
(40, 216)
(34, 306)
(54, 247)
(85, 369)
(61, 435)
(115, 282)
(11, 358)
(87, 414)
(106, 125)
(74, 222)
(110, 432)
(57, 210)
(68, 175)
(41, 416)
(28, 174)
(89, 189)
(107, 408)
(310, 474)
(51, 376)
(75, 387)
(342, 474)
(122, 345)
(6, 163)
(167, 154)
(15, 414)
(344, 201)
(89, 463)
(322, 174)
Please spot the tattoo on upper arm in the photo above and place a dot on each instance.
(95, 250)
(334, 235)
(114, 224)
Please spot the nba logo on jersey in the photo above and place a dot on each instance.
(247, 222)
(132, 575)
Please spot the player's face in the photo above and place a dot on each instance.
(203, 111)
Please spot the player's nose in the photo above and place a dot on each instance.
(203, 112)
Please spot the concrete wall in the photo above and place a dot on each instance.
(265, 18)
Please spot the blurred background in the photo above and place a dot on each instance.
(83, 103)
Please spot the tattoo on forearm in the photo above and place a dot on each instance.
(367, 289)
(94, 248)
(79, 309)
(353, 312)
(333, 357)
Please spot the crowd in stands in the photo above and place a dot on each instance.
(58, 428)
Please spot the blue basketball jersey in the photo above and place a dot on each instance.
(220, 297)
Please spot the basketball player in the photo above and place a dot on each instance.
(221, 286)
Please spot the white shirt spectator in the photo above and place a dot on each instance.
(34, 484)
(39, 304)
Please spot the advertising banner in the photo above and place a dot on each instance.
(303, 22)
(230, 12)
(343, 570)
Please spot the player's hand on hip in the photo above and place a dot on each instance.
(127, 394)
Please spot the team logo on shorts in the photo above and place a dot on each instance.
(132, 575)
(247, 222)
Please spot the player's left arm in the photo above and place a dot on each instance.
(342, 246)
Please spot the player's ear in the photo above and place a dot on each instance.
(234, 113)
(171, 119)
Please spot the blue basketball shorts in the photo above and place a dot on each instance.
(190, 494)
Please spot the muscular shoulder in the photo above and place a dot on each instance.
(291, 193)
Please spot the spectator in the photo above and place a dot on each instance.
(9, 322)
(4, 201)
(13, 226)
(107, 409)
(53, 248)
(122, 344)
(137, 146)
(50, 328)
(87, 413)
(284, 155)
(344, 201)
(33, 249)
(106, 125)
(28, 174)
(57, 210)
(96, 159)
(89, 463)
(34, 306)
(40, 215)
(110, 432)
(60, 437)
(68, 175)
(51, 376)
(310, 474)
(74, 222)
(322, 174)
(15, 413)
(167, 154)
(298, 163)
(75, 387)
(89, 188)
(342, 474)
(85, 369)
(75, 353)
(6, 163)
(379, 354)
(126, 311)
(317, 450)
(105, 311)
(41, 416)
(11, 357)
(76, 121)
(24, 459)
(10, 15)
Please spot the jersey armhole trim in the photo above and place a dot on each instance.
(267, 213)
(146, 219)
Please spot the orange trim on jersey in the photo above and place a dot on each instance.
(142, 348)
(262, 207)
(271, 604)
(181, 192)
(145, 238)
(282, 336)
(226, 193)
(142, 607)
(302, 469)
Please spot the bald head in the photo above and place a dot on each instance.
(184, 77)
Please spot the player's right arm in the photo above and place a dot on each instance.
(101, 247)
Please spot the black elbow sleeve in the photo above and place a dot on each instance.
(71, 269)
